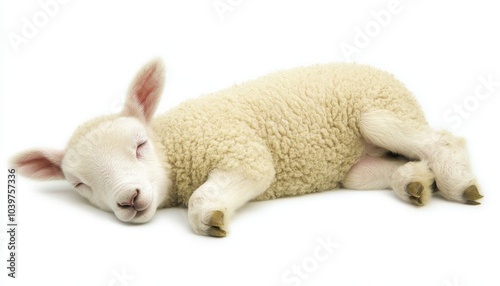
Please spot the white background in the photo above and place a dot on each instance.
(78, 64)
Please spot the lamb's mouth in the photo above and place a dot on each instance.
(132, 215)
(139, 210)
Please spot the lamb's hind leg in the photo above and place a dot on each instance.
(446, 154)
(411, 181)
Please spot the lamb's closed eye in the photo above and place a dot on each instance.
(140, 149)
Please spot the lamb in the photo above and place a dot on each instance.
(290, 133)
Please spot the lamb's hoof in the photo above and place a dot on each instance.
(471, 194)
(216, 223)
(418, 194)
(216, 232)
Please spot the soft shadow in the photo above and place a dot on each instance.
(63, 192)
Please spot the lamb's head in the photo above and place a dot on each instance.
(114, 161)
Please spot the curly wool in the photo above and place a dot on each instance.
(301, 124)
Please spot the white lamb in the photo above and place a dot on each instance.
(290, 133)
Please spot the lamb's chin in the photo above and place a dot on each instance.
(143, 216)
(134, 216)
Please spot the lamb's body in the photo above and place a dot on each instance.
(290, 133)
(305, 120)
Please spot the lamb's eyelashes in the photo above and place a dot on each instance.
(83, 189)
(139, 151)
(76, 185)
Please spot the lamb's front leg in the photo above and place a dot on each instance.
(214, 202)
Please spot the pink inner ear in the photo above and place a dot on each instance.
(145, 91)
(40, 165)
(148, 84)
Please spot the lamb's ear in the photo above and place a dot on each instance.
(145, 91)
(41, 164)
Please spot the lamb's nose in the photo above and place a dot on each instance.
(131, 201)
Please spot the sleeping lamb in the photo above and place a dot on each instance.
(290, 133)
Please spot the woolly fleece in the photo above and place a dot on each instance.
(301, 124)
